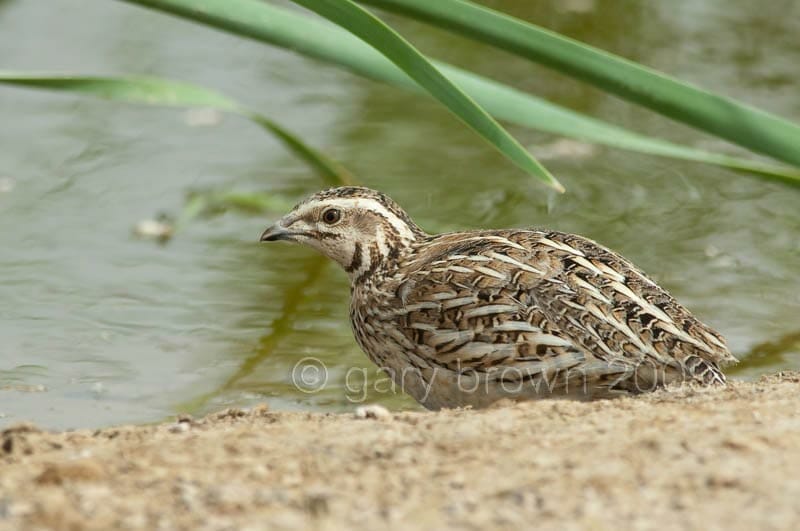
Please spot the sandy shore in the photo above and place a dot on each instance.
(701, 459)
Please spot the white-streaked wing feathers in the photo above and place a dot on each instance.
(510, 297)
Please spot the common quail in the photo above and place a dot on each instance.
(469, 318)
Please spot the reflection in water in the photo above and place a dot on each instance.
(769, 355)
(280, 327)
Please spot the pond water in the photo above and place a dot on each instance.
(98, 327)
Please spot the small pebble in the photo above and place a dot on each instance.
(6, 184)
(150, 228)
(372, 411)
(180, 427)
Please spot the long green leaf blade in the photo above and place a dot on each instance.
(721, 116)
(314, 38)
(164, 92)
(384, 39)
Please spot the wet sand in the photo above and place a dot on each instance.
(687, 458)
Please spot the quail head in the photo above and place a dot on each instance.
(469, 318)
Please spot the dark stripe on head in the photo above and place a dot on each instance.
(374, 262)
(355, 264)
(317, 235)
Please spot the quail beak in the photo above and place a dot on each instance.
(276, 233)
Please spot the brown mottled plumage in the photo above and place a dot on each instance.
(469, 318)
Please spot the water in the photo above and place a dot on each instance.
(98, 327)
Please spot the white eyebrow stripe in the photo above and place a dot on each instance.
(367, 203)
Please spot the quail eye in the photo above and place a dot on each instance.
(331, 216)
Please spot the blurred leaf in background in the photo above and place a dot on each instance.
(282, 27)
